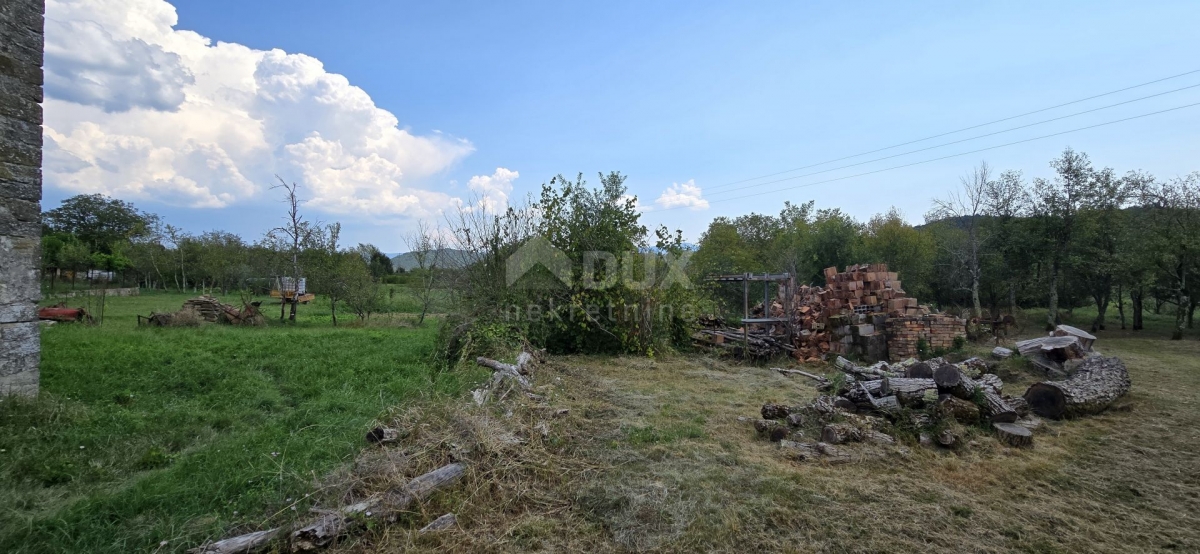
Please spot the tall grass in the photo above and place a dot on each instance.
(145, 435)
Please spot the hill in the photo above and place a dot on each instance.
(445, 258)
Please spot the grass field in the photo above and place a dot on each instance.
(195, 433)
(144, 435)
(653, 457)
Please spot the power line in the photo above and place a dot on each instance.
(959, 130)
(1002, 131)
(1115, 121)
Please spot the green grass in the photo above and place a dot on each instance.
(144, 435)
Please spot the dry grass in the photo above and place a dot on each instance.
(652, 457)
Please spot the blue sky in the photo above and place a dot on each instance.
(707, 93)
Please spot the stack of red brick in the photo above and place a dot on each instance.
(937, 330)
(865, 288)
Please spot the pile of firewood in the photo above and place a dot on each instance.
(206, 308)
(964, 390)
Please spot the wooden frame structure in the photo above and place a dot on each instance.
(785, 281)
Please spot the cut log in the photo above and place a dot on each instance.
(774, 411)
(947, 377)
(795, 419)
(887, 405)
(960, 410)
(876, 388)
(921, 370)
(1049, 353)
(444, 522)
(1098, 382)
(1085, 339)
(965, 389)
(1018, 404)
(242, 544)
(911, 392)
(996, 409)
(381, 507)
(844, 404)
(1013, 434)
(990, 381)
(840, 433)
(771, 430)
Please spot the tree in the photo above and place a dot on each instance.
(99, 221)
(836, 241)
(966, 207)
(1055, 208)
(377, 262)
(887, 238)
(1175, 220)
(74, 255)
(289, 240)
(427, 246)
(1007, 202)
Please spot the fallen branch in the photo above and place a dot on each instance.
(383, 506)
(817, 378)
(324, 530)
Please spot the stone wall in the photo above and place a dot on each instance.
(21, 27)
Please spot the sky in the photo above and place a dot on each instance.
(388, 113)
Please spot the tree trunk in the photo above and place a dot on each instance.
(1052, 309)
(1137, 300)
(1121, 304)
(1101, 309)
(1191, 312)
(1012, 298)
(333, 310)
(1090, 390)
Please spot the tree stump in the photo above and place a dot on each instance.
(1013, 434)
(1098, 382)
(840, 433)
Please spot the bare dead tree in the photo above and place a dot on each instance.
(291, 236)
(967, 206)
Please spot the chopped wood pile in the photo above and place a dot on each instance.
(866, 403)
(205, 308)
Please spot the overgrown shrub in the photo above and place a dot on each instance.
(610, 290)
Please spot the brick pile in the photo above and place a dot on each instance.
(937, 330)
(866, 288)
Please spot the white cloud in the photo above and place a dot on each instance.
(137, 109)
(493, 190)
(686, 195)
